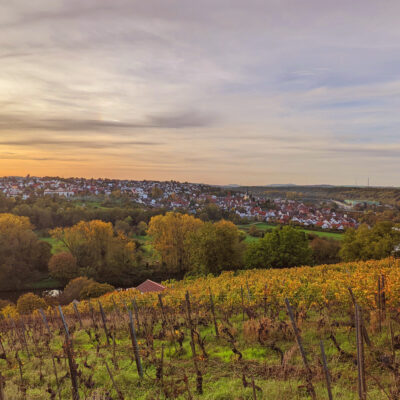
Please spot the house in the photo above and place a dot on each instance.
(149, 286)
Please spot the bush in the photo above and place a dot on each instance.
(29, 302)
(141, 228)
(4, 303)
(63, 266)
(255, 232)
(122, 226)
(73, 290)
(95, 290)
(325, 251)
(9, 311)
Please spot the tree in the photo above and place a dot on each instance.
(101, 253)
(367, 243)
(156, 192)
(63, 266)
(325, 251)
(74, 288)
(95, 290)
(211, 212)
(255, 232)
(22, 254)
(169, 233)
(141, 228)
(29, 302)
(123, 227)
(215, 247)
(6, 203)
(282, 248)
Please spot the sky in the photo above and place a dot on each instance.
(221, 92)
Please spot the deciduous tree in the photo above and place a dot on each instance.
(367, 243)
(215, 247)
(101, 253)
(169, 233)
(22, 254)
(282, 248)
(63, 266)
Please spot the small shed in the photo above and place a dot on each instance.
(149, 286)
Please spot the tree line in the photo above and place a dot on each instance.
(102, 252)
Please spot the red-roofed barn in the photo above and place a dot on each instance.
(149, 286)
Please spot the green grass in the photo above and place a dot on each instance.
(222, 372)
(56, 245)
(46, 283)
(264, 226)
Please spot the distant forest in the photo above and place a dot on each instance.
(385, 195)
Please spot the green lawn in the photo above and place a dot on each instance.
(46, 283)
(56, 245)
(264, 226)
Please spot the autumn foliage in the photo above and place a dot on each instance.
(306, 287)
(169, 233)
(29, 302)
(22, 254)
(101, 253)
(63, 266)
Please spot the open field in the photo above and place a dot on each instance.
(255, 342)
(56, 245)
(264, 226)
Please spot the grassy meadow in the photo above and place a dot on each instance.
(264, 226)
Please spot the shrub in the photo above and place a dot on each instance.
(73, 290)
(4, 303)
(95, 290)
(141, 228)
(63, 266)
(9, 311)
(29, 302)
(255, 232)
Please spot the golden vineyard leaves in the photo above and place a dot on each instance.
(308, 287)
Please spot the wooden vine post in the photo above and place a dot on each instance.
(72, 369)
(362, 387)
(78, 315)
(363, 328)
(103, 319)
(116, 388)
(70, 356)
(162, 308)
(199, 385)
(66, 330)
(326, 370)
(43, 315)
(310, 386)
(136, 311)
(135, 345)
(213, 314)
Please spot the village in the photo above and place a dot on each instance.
(186, 196)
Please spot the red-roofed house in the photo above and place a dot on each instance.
(149, 286)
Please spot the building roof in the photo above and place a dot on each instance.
(150, 286)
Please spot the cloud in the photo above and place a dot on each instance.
(78, 144)
(165, 120)
(256, 92)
